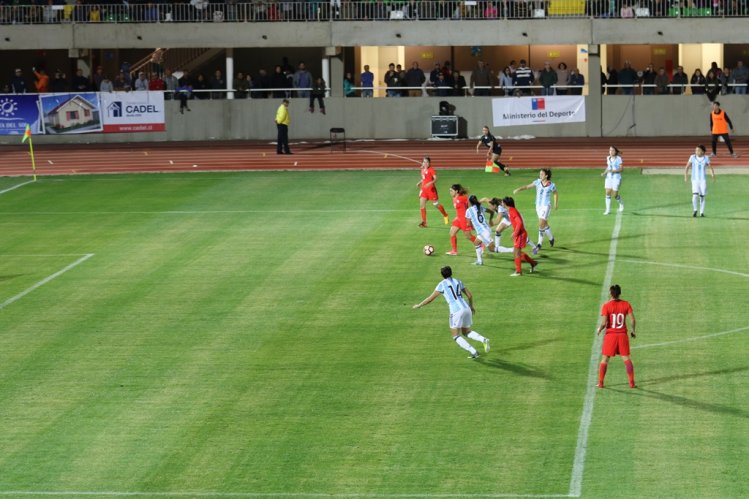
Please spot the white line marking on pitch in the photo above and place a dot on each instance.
(693, 338)
(16, 186)
(682, 266)
(45, 281)
(254, 494)
(578, 467)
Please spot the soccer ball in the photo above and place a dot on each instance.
(428, 250)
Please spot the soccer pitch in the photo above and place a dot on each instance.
(251, 335)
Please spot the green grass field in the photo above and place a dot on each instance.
(251, 335)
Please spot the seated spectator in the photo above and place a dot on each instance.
(697, 82)
(119, 84)
(156, 83)
(141, 83)
(628, 78)
(106, 85)
(200, 86)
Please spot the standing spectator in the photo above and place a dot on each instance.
(348, 86)
(725, 80)
(98, 76)
(106, 84)
(141, 83)
(80, 82)
(697, 82)
(576, 82)
(282, 125)
(199, 86)
(481, 80)
(278, 82)
(434, 74)
(523, 78)
(60, 82)
(628, 78)
(719, 125)
(459, 84)
(505, 81)
(679, 81)
(461, 312)
(218, 82)
(740, 77)
(616, 342)
(699, 163)
(648, 80)
(302, 80)
(604, 82)
(415, 78)
(563, 78)
(401, 79)
(42, 81)
(156, 84)
(392, 81)
(367, 82)
(119, 84)
(612, 82)
(442, 87)
(712, 85)
(170, 82)
(661, 82)
(18, 82)
(262, 81)
(547, 78)
(318, 92)
(241, 85)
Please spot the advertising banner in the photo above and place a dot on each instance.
(64, 114)
(133, 111)
(547, 110)
(18, 110)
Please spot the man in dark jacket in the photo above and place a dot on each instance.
(415, 78)
(18, 83)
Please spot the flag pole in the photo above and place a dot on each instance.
(33, 162)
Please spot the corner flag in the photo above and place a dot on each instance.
(26, 134)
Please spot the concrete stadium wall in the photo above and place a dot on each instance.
(410, 118)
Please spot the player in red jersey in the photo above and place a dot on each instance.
(616, 342)
(519, 237)
(428, 191)
(461, 204)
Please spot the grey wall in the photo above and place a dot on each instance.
(410, 118)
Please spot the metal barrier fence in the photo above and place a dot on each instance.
(365, 10)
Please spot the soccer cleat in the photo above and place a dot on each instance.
(606, 212)
(486, 346)
(423, 225)
(734, 155)
(474, 355)
(633, 386)
(447, 220)
(702, 215)
(535, 249)
(533, 267)
(694, 214)
(478, 263)
(713, 155)
(621, 208)
(516, 274)
(507, 172)
(551, 242)
(599, 385)
(452, 253)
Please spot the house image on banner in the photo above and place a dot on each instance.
(74, 114)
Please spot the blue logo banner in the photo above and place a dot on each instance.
(18, 110)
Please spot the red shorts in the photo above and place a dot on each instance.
(463, 224)
(615, 344)
(430, 194)
(521, 241)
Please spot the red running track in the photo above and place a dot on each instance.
(366, 154)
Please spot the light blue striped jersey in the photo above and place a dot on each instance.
(477, 216)
(612, 164)
(543, 193)
(452, 290)
(699, 167)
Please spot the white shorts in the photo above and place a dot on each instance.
(485, 236)
(613, 183)
(462, 318)
(543, 211)
(699, 187)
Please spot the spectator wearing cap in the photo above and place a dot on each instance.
(18, 83)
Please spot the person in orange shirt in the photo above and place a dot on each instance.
(42, 81)
(719, 125)
(614, 315)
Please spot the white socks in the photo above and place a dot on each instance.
(462, 343)
(695, 198)
(608, 204)
(476, 336)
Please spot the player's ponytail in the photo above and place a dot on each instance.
(459, 189)
(616, 150)
(474, 201)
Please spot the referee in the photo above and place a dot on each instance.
(282, 124)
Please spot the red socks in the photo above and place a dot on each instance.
(602, 373)
(423, 215)
(454, 243)
(630, 372)
(442, 210)
(518, 269)
(527, 259)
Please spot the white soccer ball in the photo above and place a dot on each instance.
(428, 250)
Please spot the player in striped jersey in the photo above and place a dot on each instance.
(495, 208)
(545, 189)
(699, 163)
(477, 215)
(461, 311)
(613, 174)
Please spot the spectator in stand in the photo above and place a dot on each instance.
(278, 81)
(648, 80)
(401, 79)
(442, 87)
(18, 83)
(98, 76)
(318, 92)
(712, 86)
(563, 78)
(348, 86)
(184, 92)
(170, 83)
(241, 85)
(156, 84)
(141, 83)
(481, 77)
(434, 74)
(392, 81)
(199, 86)
(628, 78)
(612, 82)
(679, 81)
(262, 81)
(661, 82)
(302, 80)
(106, 85)
(60, 82)
(42, 80)
(604, 82)
(523, 78)
(740, 77)
(80, 82)
(715, 69)
(415, 78)
(697, 82)
(119, 84)
(367, 82)
(218, 82)
(576, 82)
(725, 80)
(505, 81)
(547, 77)
(459, 84)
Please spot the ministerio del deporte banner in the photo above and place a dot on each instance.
(547, 110)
